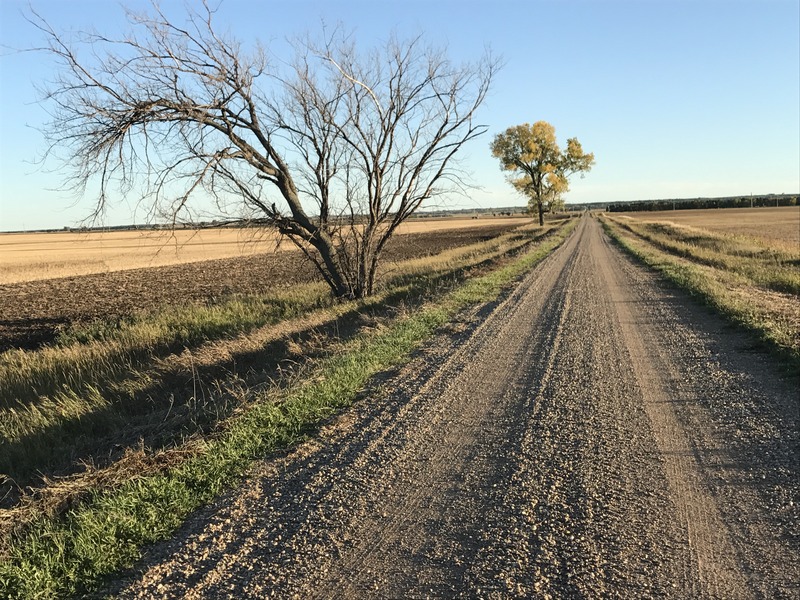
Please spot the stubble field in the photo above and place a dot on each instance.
(49, 255)
(777, 226)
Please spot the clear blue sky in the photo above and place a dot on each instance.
(675, 98)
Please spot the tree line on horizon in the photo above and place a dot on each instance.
(700, 203)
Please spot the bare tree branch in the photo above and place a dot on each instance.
(184, 117)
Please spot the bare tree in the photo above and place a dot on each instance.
(335, 151)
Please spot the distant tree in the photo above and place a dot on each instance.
(336, 150)
(539, 169)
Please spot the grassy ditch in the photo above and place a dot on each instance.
(764, 266)
(752, 285)
(70, 553)
(159, 378)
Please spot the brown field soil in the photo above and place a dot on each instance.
(36, 256)
(33, 312)
(775, 224)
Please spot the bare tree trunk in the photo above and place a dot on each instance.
(332, 271)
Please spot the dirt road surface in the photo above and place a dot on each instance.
(595, 434)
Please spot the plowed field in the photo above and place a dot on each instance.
(32, 313)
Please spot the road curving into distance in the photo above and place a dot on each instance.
(595, 434)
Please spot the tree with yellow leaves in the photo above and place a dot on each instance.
(539, 168)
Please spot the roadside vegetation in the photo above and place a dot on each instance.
(172, 406)
(753, 281)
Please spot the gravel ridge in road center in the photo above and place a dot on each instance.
(595, 434)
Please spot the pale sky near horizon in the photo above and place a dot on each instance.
(677, 99)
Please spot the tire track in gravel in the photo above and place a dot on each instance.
(726, 423)
(592, 435)
(712, 553)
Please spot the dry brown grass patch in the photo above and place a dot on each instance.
(774, 225)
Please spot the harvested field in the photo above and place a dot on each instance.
(33, 312)
(777, 224)
(36, 256)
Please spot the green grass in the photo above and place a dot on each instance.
(721, 285)
(761, 265)
(54, 557)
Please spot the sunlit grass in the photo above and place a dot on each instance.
(764, 265)
(751, 284)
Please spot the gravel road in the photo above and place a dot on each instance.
(594, 434)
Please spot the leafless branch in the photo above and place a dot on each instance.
(184, 115)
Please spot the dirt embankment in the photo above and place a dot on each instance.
(594, 435)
